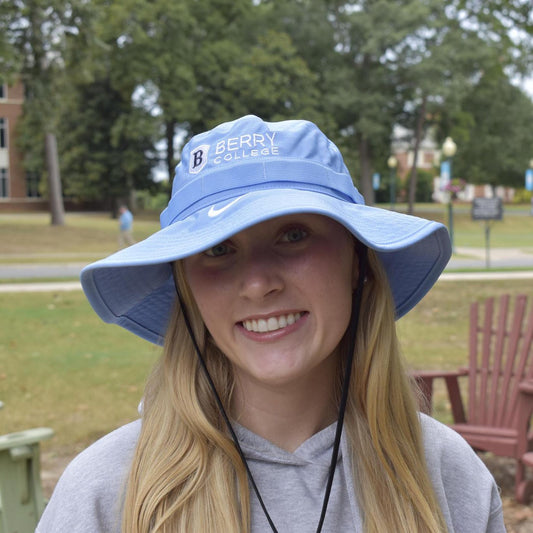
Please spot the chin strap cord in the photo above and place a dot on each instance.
(352, 334)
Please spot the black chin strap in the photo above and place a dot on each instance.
(352, 334)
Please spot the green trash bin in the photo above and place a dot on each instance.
(21, 497)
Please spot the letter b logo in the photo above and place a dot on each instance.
(198, 159)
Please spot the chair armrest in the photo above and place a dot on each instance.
(424, 380)
(25, 438)
(526, 386)
(433, 374)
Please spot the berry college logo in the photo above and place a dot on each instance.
(198, 159)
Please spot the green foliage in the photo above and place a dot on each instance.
(104, 144)
(499, 143)
(424, 186)
(148, 201)
(356, 68)
(271, 81)
(522, 196)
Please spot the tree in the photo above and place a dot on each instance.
(270, 80)
(105, 144)
(465, 41)
(499, 140)
(363, 83)
(9, 59)
(35, 30)
(181, 51)
(438, 71)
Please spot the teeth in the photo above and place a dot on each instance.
(272, 324)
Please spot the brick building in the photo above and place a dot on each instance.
(17, 190)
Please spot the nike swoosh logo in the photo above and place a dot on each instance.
(215, 212)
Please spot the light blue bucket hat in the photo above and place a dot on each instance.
(239, 174)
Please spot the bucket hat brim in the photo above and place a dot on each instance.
(134, 287)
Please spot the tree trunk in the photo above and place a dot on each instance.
(55, 193)
(418, 140)
(170, 127)
(366, 188)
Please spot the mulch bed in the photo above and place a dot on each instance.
(518, 518)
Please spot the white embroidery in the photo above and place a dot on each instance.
(198, 159)
(213, 212)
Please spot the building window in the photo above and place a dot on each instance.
(3, 133)
(3, 90)
(32, 185)
(4, 183)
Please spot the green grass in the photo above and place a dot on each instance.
(514, 231)
(85, 237)
(61, 367)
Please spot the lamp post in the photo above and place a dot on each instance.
(449, 148)
(392, 163)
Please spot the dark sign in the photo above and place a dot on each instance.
(487, 209)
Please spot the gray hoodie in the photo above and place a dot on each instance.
(87, 499)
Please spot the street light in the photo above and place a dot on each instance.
(449, 148)
(392, 163)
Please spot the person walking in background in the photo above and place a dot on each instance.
(125, 237)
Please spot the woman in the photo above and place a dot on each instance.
(280, 402)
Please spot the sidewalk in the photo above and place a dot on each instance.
(474, 259)
(54, 286)
(477, 258)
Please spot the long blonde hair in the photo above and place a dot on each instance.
(186, 474)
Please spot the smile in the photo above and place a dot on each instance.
(263, 325)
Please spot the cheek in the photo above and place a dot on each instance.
(202, 287)
(337, 286)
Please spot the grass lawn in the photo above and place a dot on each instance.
(29, 237)
(61, 367)
(85, 237)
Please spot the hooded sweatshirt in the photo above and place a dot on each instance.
(88, 497)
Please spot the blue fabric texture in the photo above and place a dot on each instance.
(239, 174)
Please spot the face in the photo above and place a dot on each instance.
(276, 297)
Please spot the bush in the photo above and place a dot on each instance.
(522, 196)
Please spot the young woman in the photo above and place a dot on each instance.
(281, 401)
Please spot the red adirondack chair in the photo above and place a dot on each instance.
(500, 386)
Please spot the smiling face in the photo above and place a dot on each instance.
(276, 298)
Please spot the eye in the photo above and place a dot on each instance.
(295, 234)
(218, 250)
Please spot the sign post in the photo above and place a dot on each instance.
(529, 179)
(376, 180)
(487, 209)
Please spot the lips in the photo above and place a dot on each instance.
(273, 323)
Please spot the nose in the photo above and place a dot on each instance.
(260, 275)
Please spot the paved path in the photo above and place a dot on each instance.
(496, 258)
(464, 258)
(40, 270)
(54, 286)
